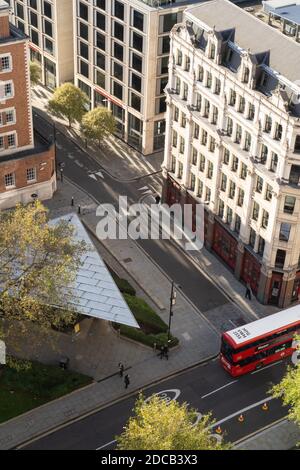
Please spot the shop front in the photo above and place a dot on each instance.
(251, 271)
(225, 245)
(275, 288)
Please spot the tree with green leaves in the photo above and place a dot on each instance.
(35, 73)
(38, 265)
(158, 425)
(289, 388)
(98, 124)
(68, 102)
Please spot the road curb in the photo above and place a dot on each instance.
(111, 402)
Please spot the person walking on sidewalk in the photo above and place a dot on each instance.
(248, 291)
(126, 381)
(161, 352)
(166, 352)
(121, 369)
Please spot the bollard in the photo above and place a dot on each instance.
(72, 201)
(219, 430)
(79, 210)
(265, 407)
(241, 418)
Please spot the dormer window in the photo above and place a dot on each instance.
(246, 75)
(212, 52)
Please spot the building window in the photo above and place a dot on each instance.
(9, 180)
(192, 182)
(268, 124)
(207, 195)
(217, 90)
(210, 170)
(268, 195)
(238, 134)
(251, 111)
(259, 184)
(284, 233)
(202, 162)
(264, 153)
(261, 246)
(241, 196)
(208, 80)
(180, 170)
(223, 182)
(8, 90)
(182, 145)
(231, 190)
(232, 98)
(5, 63)
(194, 156)
(247, 144)
(243, 171)
(237, 224)
(221, 209)
(242, 104)
(226, 156)
(11, 140)
(175, 139)
(204, 137)
(229, 216)
(265, 219)
(274, 162)
(200, 188)
(196, 131)
(289, 204)
(200, 73)
(278, 132)
(31, 174)
(252, 237)
(280, 259)
(9, 116)
(255, 211)
(235, 163)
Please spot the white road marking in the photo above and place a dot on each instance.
(232, 322)
(106, 445)
(144, 188)
(91, 175)
(237, 413)
(78, 163)
(100, 174)
(267, 367)
(220, 388)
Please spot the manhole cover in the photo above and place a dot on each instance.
(127, 260)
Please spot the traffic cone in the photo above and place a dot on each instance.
(241, 418)
(265, 407)
(219, 430)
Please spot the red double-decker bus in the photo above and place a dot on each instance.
(261, 342)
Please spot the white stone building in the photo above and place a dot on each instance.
(49, 25)
(233, 142)
(121, 61)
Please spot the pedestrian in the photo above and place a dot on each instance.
(166, 352)
(162, 351)
(121, 369)
(126, 380)
(248, 291)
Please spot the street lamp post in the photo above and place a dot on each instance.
(172, 303)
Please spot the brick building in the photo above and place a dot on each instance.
(27, 161)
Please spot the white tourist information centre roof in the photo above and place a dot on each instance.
(95, 292)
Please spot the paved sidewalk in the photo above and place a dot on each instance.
(99, 349)
(284, 435)
(115, 156)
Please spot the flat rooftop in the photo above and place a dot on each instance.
(251, 33)
(284, 9)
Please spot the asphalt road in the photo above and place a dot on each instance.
(205, 388)
(234, 395)
(205, 295)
